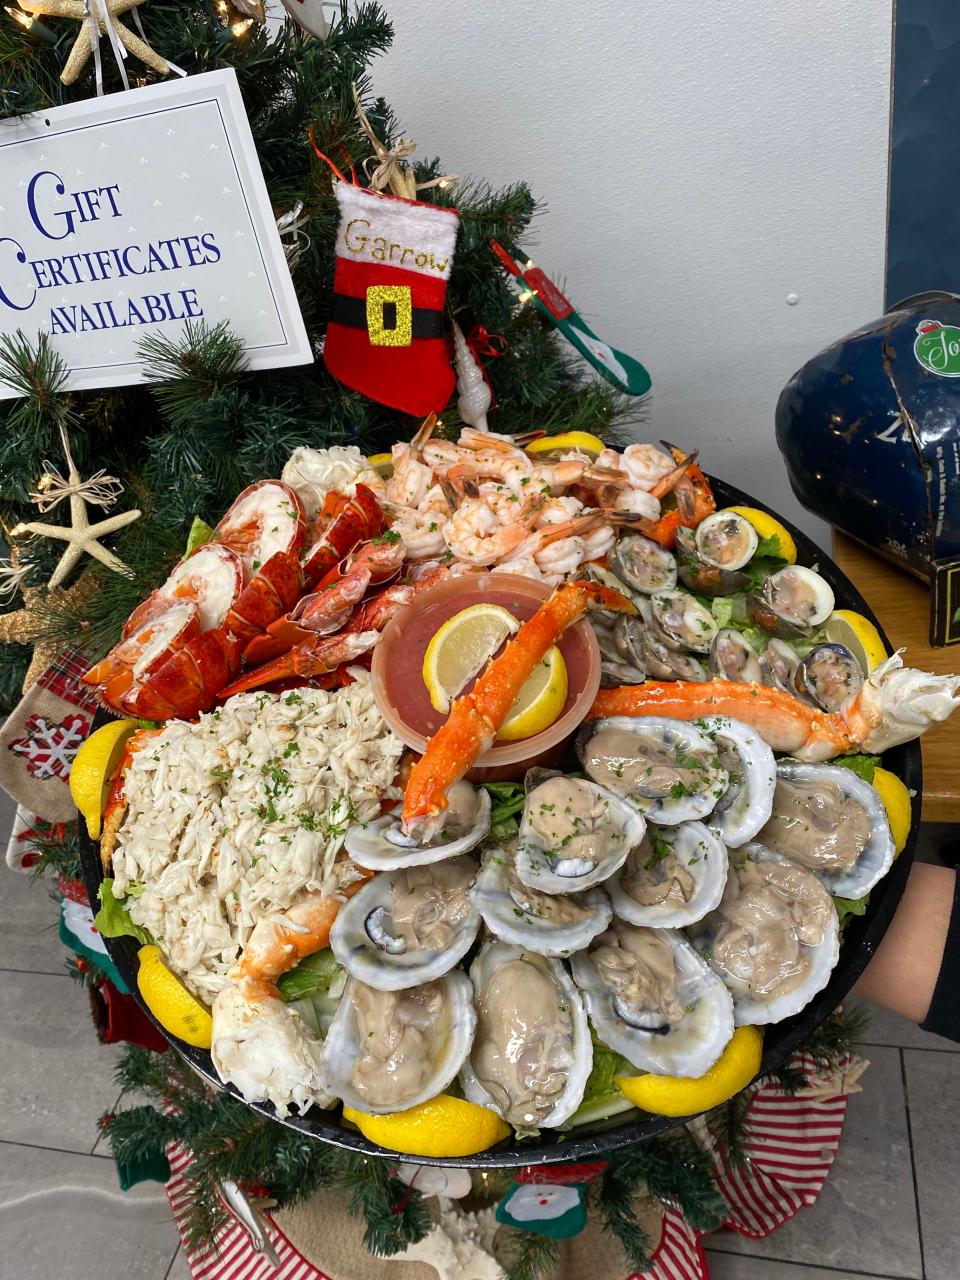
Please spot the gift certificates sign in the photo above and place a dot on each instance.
(134, 213)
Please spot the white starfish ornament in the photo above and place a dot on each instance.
(82, 537)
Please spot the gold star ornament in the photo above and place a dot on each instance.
(86, 15)
(82, 537)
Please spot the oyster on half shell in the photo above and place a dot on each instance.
(831, 821)
(653, 999)
(407, 926)
(553, 924)
(774, 939)
(381, 845)
(752, 776)
(673, 879)
(389, 1050)
(532, 1053)
(667, 769)
(573, 833)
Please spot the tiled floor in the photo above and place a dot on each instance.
(890, 1210)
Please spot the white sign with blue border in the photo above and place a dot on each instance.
(131, 214)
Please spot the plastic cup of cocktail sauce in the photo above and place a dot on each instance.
(402, 695)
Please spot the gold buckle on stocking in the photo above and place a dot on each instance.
(390, 315)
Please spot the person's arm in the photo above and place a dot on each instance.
(916, 970)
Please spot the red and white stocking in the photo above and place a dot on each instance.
(386, 335)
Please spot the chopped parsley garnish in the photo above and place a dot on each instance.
(661, 846)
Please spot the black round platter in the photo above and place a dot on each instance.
(860, 940)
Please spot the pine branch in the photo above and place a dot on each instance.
(395, 1214)
(728, 1127)
(14, 660)
(57, 849)
(615, 1202)
(528, 1256)
(674, 1168)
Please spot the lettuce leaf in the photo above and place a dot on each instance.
(863, 766)
(769, 548)
(313, 976)
(506, 800)
(847, 907)
(113, 919)
(601, 1097)
(199, 535)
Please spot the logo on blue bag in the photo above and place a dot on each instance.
(937, 348)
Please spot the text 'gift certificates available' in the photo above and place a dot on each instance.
(134, 213)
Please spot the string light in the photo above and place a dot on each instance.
(29, 22)
(241, 28)
(524, 296)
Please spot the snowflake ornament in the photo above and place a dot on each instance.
(49, 748)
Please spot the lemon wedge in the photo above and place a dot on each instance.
(382, 462)
(540, 700)
(896, 801)
(767, 526)
(461, 648)
(443, 1126)
(92, 768)
(170, 1002)
(675, 1096)
(581, 440)
(859, 635)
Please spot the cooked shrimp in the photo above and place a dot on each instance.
(474, 533)
(528, 568)
(597, 542)
(562, 557)
(645, 464)
(443, 454)
(421, 533)
(557, 476)
(558, 511)
(412, 477)
(435, 502)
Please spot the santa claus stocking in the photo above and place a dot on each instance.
(386, 335)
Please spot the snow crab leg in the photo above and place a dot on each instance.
(476, 717)
(896, 704)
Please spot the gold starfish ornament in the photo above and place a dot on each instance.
(29, 625)
(81, 537)
(86, 15)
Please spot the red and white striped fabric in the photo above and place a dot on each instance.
(790, 1149)
(234, 1257)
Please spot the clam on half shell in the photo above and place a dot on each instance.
(653, 999)
(828, 819)
(407, 926)
(774, 939)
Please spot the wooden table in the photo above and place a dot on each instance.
(902, 604)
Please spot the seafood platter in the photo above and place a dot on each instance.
(501, 769)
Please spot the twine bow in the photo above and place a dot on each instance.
(390, 171)
(101, 490)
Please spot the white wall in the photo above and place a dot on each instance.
(701, 161)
